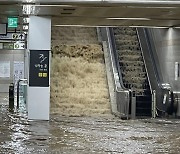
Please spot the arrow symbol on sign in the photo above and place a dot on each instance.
(21, 36)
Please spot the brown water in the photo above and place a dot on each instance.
(85, 135)
(78, 74)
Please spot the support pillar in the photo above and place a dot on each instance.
(39, 46)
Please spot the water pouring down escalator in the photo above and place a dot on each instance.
(132, 67)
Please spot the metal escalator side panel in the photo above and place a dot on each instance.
(151, 64)
(122, 98)
(115, 55)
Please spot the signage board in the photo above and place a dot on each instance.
(13, 36)
(12, 22)
(39, 68)
(8, 45)
(19, 45)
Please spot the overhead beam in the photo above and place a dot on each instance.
(100, 2)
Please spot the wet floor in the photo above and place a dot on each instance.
(85, 135)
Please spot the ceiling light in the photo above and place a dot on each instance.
(53, 5)
(28, 9)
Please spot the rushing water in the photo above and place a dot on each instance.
(85, 135)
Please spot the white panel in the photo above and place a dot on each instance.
(176, 70)
(38, 103)
(39, 33)
(38, 98)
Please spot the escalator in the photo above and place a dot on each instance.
(160, 58)
(132, 67)
(146, 66)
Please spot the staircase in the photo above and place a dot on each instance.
(133, 68)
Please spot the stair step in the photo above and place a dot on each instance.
(146, 110)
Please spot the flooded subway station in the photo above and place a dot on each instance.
(85, 134)
(74, 84)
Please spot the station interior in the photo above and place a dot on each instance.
(89, 76)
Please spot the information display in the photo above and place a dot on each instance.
(39, 68)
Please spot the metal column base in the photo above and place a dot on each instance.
(133, 108)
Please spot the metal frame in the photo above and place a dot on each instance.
(122, 95)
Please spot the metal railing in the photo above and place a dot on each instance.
(123, 96)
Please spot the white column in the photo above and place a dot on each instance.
(38, 98)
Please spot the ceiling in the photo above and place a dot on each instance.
(159, 13)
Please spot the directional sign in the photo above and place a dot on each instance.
(19, 45)
(13, 36)
(12, 22)
(9, 46)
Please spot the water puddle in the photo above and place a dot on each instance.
(86, 135)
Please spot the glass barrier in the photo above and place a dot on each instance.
(22, 92)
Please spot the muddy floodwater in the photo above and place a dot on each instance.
(85, 135)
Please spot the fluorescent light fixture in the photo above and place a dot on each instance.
(54, 5)
(128, 18)
(29, 1)
(28, 9)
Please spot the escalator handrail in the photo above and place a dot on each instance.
(114, 50)
(150, 49)
(160, 89)
(119, 88)
(139, 42)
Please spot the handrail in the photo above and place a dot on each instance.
(121, 91)
(161, 85)
(155, 78)
(114, 51)
(144, 60)
(152, 58)
(20, 80)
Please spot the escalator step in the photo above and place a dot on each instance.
(143, 112)
(144, 98)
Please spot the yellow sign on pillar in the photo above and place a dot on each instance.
(40, 74)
